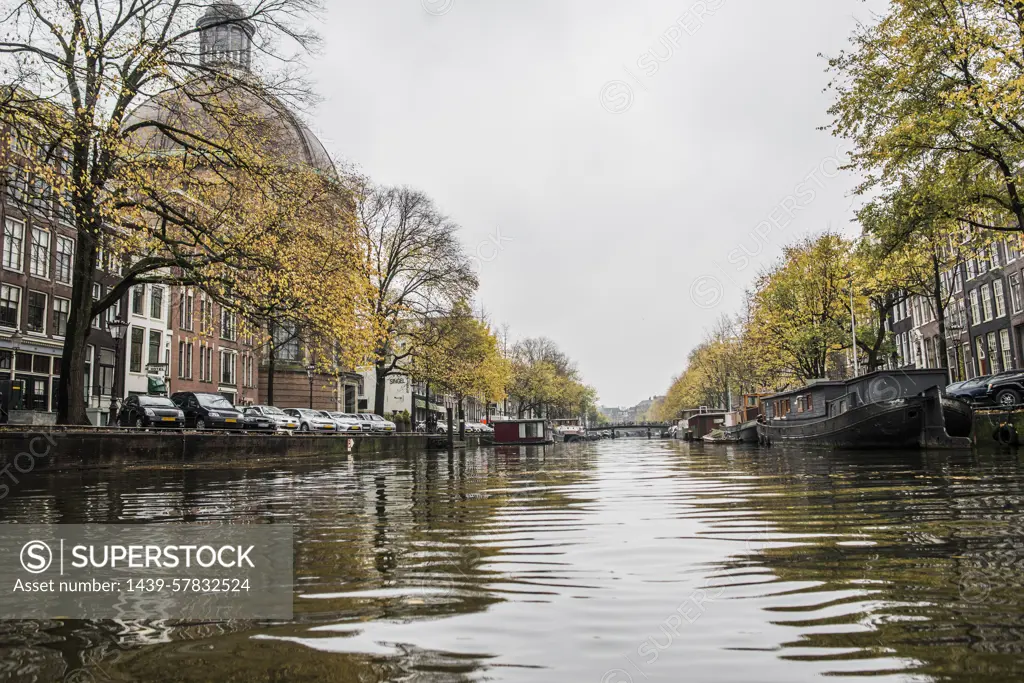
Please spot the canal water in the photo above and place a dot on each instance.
(611, 562)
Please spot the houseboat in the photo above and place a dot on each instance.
(522, 432)
(570, 430)
(887, 409)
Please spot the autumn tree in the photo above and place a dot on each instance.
(463, 360)
(416, 273)
(800, 309)
(936, 88)
(146, 123)
(545, 381)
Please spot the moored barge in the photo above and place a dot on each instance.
(886, 409)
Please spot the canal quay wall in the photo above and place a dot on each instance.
(67, 449)
(999, 427)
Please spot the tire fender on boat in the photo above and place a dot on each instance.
(1006, 434)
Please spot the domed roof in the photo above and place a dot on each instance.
(285, 134)
(225, 45)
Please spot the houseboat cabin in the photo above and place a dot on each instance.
(522, 432)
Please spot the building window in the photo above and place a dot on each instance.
(138, 339)
(138, 299)
(205, 315)
(156, 303)
(1000, 296)
(286, 343)
(205, 363)
(993, 352)
(986, 302)
(97, 293)
(61, 311)
(106, 378)
(10, 305)
(14, 244)
(185, 309)
(1012, 248)
(1004, 343)
(35, 319)
(1015, 293)
(227, 367)
(65, 259)
(227, 324)
(39, 263)
(154, 347)
(185, 360)
(975, 307)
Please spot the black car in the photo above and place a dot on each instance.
(1006, 389)
(208, 411)
(150, 411)
(972, 391)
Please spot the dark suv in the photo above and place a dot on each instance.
(1007, 389)
(208, 411)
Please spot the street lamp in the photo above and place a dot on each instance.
(118, 329)
(956, 331)
(310, 372)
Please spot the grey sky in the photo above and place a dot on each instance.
(620, 197)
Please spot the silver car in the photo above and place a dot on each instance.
(313, 420)
(379, 424)
(284, 421)
(347, 424)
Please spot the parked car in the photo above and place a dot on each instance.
(150, 411)
(378, 423)
(313, 420)
(347, 423)
(972, 391)
(1006, 389)
(257, 422)
(282, 421)
(208, 411)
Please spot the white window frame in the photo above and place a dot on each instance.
(12, 226)
(54, 312)
(1007, 350)
(63, 240)
(999, 294)
(18, 303)
(46, 304)
(38, 262)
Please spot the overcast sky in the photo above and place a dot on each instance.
(608, 196)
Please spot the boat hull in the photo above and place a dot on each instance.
(900, 424)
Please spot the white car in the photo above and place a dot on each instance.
(379, 424)
(347, 423)
(313, 420)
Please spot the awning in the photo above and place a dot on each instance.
(157, 385)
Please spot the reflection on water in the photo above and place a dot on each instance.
(610, 562)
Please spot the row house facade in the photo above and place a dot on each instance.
(38, 244)
(984, 310)
(208, 350)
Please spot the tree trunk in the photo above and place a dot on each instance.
(382, 378)
(271, 367)
(451, 429)
(462, 420)
(940, 314)
(72, 383)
